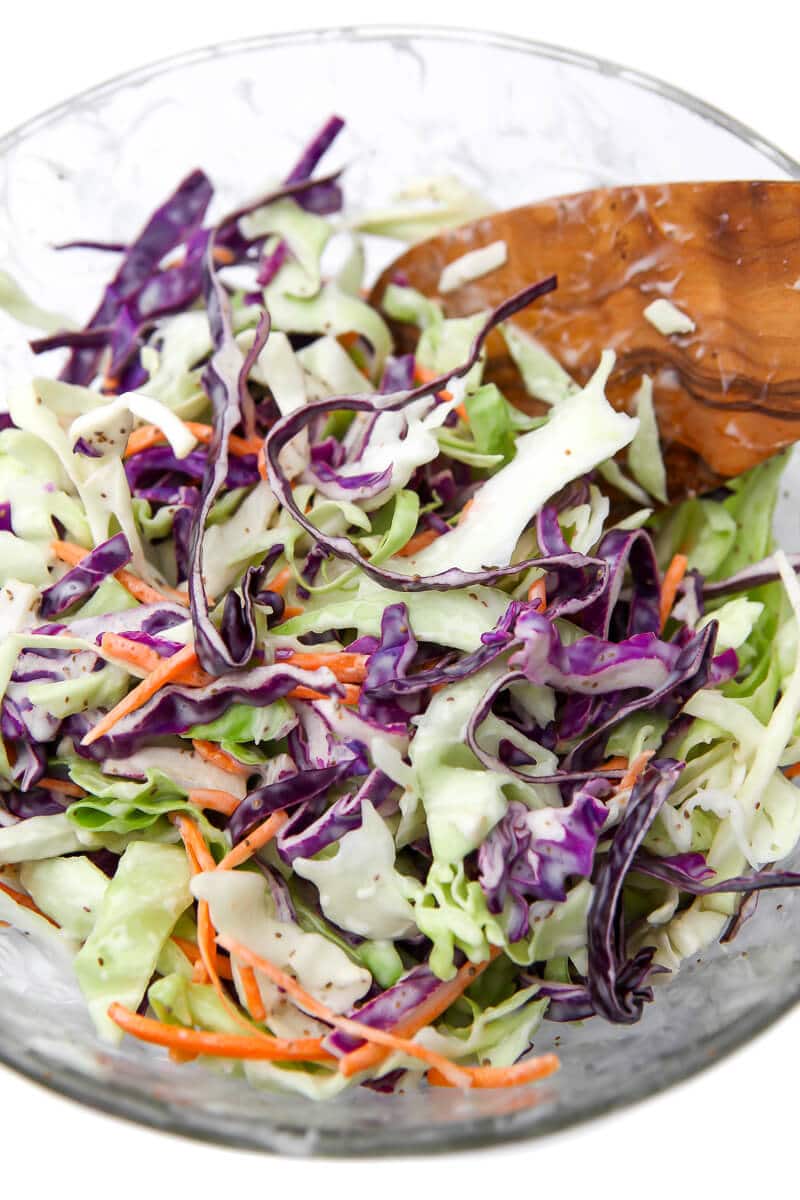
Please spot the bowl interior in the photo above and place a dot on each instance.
(516, 122)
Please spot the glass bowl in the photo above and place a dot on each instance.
(517, 121)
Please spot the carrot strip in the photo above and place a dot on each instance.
(150, 435)
(635, 769)
(211, 753)
(348, 668)
(262, 834)
(351, 694)
(366, 1057)
(215, 799)
(261, 462)
(70, 553)
(503, 1077)
(418, 542)
(426, 375)
(292, 610)
(538, 591)
(168, 670)
(669, 587)
(194, 842)
(793, 771)
(252, 996)
(192, 952)
(465, 510)
(146, 659)
(280, 582)
(26, 902)
(455, 1075)
(615, 764)
(61, 785)
(217, 1045)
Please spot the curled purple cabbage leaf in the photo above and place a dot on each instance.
(81, 580)
(609, 969)
(532, 853)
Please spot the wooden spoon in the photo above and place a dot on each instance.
(727, 396)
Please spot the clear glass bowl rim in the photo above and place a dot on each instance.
(113, 1102)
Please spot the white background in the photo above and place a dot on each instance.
(735, 1128)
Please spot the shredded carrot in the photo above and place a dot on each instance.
(351, 694)
(217, 1045)
(211, 753)
(347, 340)
(192, 952)
(425, 375)
(368, 1056)
(455, 1075)
(292, 610)
(347, 667)
(615, 764)
(61, 785)
(215, 799)
(201, 859)
(635, 769)
(194, 841)
(538, 591)
(261, 462)
(252, 996)
(70, 553)
(465, 510)
(262, 834)
(669, 588)
(146, 659)
(150, 435)
(168, 670)
(418, 542)
(280, 582)
(503, 1077)
(224, 256)
(26, 902)
(793, 771)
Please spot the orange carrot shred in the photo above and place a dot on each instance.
(259, 837)
(348, 668)
(455, 1075)
(217, 1045)
(192, 952)
(418, 542)
(71, 553)
(615, 764)
(503, 1077)
(146, 659)
(465, 510)
(252, 996)
(793, 771)
(26, 902)
(211, 753)
(292, 610)
(370, 1055)
(669, 588)
(280, 582)
(150, 435)
(64, 786)
(425, 375)
(261, 462)
(635, 769)
(215, 799)
(351, 694)
(538, 591)
(168, 670)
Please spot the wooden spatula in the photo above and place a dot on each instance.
(727, 254)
